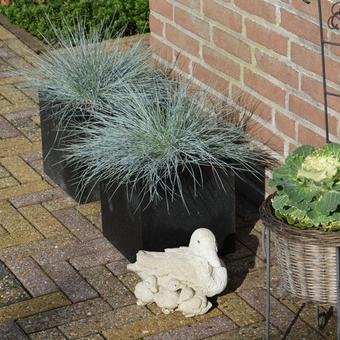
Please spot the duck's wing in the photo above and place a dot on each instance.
(178, 263)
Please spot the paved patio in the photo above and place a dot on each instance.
(61, 279)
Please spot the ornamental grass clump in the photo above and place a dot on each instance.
(308, 188)
(85, 73)
(149, 146)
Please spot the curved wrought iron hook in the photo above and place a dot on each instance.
(334, 19)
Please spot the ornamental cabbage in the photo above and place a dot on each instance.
(308, 188)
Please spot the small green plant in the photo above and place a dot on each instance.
(86, 73)
(151, 144)
(118, 14)
(308, 188)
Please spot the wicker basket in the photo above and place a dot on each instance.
(306, 258)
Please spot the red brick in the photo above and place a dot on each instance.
(259, 8)
(252, 104)
(182, 40)
(311, 60)
(307, 136)
(156, 26)
(162, 7)
(285, 124)
(192, 23)
(264, 87)
(312, 9)
(192, 4)
(334, 37)
(223, 15)
(209, 78)
(221, 63)
(277, 69)
(266, 136)
(232, 45)
(161, 49)
(307, 111)
(267, 37)
(294, 23)
(182, 62)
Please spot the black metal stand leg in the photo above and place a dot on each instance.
(338, 291)
(267, 302)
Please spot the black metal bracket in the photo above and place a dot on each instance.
(333, 24)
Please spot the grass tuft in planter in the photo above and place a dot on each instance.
(154, 143)
(79, 79)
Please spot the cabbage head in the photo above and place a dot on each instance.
(308, 188)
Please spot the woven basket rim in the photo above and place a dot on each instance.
(331, 238)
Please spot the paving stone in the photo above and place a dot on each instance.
(130, 280)
(281, 316)
(46, 223)
(8, 182)
(15, 96)
(118, 267)
(49, 334)
(240, 252)
(28, 128)
(71, 250)
(89, 208)
(20, 169)
(92, 337)
(31, 156)
(60, 203)
(29, 307)
(253, 332)
(149, 326)
(13, 146)
(63, 315)
(23, 189)
(69, 281)
(12, 295)
(36, 247)
(95, 259)
(4, 34)
(17, 115)
(99, 322)
(238, 310)
(6, 52)
(37, 197)
(77, 224)
(10, 331)
(31, 276)
(3, 172)
(199, 330)
(17, 46)
(8, 240)
(7, 130)
(212, 313)
(108, 286)
(12, 221)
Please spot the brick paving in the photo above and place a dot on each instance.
(60, 278)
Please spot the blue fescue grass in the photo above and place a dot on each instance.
(148, 145)
(84, 74)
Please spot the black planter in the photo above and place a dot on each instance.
(53, 140)
(131, 225)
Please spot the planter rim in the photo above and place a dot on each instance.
(317, 237)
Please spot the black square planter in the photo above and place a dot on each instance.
(53, 140)
(131, 225)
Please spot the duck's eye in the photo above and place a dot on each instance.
(198, 242)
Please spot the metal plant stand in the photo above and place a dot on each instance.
(322, 317)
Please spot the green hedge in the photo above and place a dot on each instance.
(32, 15)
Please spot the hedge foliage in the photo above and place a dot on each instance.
(116, 14)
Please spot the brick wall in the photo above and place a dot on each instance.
(266, 49)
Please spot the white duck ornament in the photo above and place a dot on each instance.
(196, 266)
